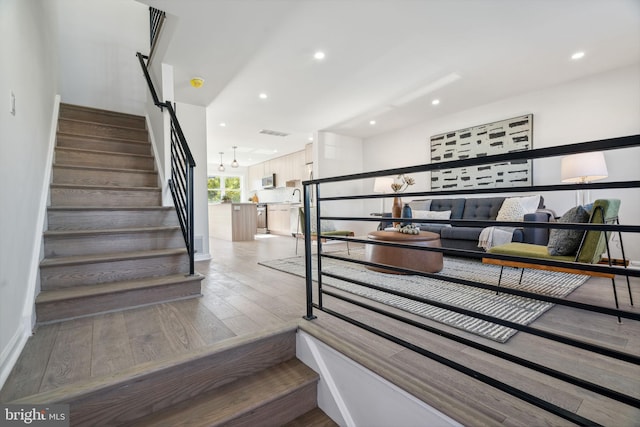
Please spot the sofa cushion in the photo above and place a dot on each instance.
(432, 214)
(461, 233)
(456, 206)
(515, 208)
(420, 205)
(566, 242)
(483, 208)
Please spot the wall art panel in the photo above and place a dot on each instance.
(501, 137)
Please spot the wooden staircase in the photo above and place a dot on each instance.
(110, 244)
(253, 380)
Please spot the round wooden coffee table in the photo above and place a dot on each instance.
(426, 261)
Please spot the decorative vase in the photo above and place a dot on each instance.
(406, 213)
(396, 209)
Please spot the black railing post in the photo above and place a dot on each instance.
(190, 214)
(307, 251)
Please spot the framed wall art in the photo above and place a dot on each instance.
(505, 136)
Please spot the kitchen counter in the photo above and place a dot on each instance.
(233, 221)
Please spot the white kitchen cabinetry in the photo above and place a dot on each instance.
(278, 218)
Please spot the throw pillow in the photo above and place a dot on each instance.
(432, 214)
(566, 242)
(514, 208)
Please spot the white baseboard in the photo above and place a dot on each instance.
(12, 351)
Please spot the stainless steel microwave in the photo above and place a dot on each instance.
(269, 181)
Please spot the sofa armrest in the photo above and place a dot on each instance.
(536, 235)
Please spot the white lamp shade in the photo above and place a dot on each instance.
(584, 167)
(382, 185)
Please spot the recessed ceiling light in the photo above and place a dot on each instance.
(319, 55)
(372, 122)
(435, 102)
(223, 124)
(577, 55)
(263, 96)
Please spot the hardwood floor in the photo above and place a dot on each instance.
(241, 297)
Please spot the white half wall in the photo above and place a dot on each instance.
(193, 120)
(28, 52)
(98, 41)
(352, 395)
(601, 106)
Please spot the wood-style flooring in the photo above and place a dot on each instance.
(242, 297)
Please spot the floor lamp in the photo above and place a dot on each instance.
(583, 168)
(382, 185)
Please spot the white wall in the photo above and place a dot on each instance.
(193, 120)
(28, 70)
(98, 41)
(340, 155)
(600, 106)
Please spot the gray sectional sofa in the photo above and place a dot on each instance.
(481, 209)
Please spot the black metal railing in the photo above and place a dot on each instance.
(182, 165)
(319, 302)
(156, 21)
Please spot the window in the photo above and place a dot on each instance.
(219, 187)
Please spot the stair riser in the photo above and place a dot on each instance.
(108, 219)
(97, 129)
(68, 309)
(124, 403)
(104, 197)
(62, 175)
(59, 246)
(279, 411)
(99, 144)
(57, 277)
(97, 116)
(98, 159)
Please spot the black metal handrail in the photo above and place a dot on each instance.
(314, 186)
(182, 165)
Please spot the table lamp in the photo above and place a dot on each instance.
(382, 185)
(583, 168)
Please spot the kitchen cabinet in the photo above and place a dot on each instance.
(278, 218)
(233, 221)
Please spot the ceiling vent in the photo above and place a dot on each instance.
(272, 132)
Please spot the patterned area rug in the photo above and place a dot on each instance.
(509, 307)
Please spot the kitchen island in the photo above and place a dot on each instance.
(233, 221)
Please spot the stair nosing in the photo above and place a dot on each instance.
(66, 119)
(110, 257)
(77, 233)
(84, 291)
(111, 153)
(103, 169)
(103, 138)
(104, 187)
(110, 208)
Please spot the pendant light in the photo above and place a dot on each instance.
(221, 167)
(235, 163)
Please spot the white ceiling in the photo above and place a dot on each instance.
(386, 60)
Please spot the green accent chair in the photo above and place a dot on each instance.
(593, 245)
(327, 230)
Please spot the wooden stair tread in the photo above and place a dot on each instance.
(104, 138)
(66, 106)
(314, 418)
(111, 153)
(120, 256)
(103, 169)
(93, 122)
(107, 288)
(99, 231)
(104, 187)
(223, 404)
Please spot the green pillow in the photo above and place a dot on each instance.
(566, 242)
